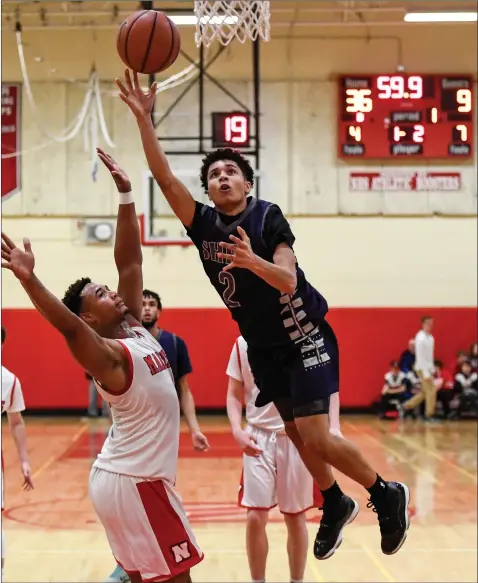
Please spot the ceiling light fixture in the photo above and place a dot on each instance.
(191, 20)
(440, 17)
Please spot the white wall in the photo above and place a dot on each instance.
(355, 261)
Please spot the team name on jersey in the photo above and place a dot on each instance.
(210, 249)
(157, 362)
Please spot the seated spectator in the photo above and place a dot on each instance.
(473, 356)
(407, 358)
(394, 390)
(443, 380)
(466, 387)
(413, 385)
(461, 356)
(412, 382)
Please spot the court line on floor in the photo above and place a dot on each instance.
(311, 561)
(54, 458)
(399, 456)
(436, 455)
(377, 562)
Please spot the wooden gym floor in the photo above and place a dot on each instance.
(52, 533)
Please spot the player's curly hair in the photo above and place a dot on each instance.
(226, 154)
(147, 293)
(72, 298)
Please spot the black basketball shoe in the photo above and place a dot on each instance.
(392, 513)
(334, 519)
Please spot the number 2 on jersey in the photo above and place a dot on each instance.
(226, 278)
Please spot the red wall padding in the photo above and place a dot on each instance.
(369, 338)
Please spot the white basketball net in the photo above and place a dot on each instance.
(224, 20)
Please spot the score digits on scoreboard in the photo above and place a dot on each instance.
(413, 116)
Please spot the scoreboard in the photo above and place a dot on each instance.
(406, 116)
(231, 129)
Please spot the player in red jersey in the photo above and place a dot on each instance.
(13, 404)
(132, 480)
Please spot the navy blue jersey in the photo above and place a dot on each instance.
(266, 317)
(177, 353)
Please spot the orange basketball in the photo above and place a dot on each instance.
(148, 41)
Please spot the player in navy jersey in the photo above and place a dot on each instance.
(246, 247)
(178, 357)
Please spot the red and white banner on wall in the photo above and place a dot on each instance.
(11, 107)
(405, 181)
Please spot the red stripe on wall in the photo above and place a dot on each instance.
(368, 338)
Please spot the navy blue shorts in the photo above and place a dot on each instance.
(299, 378)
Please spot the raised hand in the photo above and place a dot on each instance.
(120, 177)
(140, 102)
(20, 262)
(240, 252)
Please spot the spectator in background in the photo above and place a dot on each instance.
(394, 389)
(461, 357)
(407, 358)
(413, 382)
(473, 356)
(424, 367)
(466, 387)
(443, 380)
(178, 357)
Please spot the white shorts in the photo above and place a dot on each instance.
(277, 477)
(145, 524)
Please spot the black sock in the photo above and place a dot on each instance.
(333, 494)
(379, 489)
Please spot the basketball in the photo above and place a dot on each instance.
(148, 41)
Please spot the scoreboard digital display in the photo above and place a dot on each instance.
(406, 116)
(230, 129)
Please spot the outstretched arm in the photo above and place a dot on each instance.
(128, 254)
(140, 103)
(104, 359)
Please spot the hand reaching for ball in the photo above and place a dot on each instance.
(140, 102)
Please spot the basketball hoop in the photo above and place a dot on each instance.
(224, 20)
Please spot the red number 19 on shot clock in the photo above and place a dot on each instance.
(230, 129)
(406, 116)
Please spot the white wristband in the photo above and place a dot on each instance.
(126, 197)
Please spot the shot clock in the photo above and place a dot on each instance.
(406, 116)
(231, 129)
